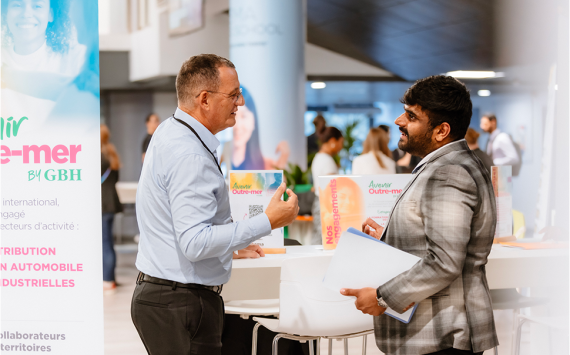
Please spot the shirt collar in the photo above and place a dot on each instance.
(209, 139)
(430, 155)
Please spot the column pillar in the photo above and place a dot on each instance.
(267, 45)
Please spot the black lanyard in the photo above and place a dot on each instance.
(201, 141)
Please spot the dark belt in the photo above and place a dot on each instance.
(158, 281)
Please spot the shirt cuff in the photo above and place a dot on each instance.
(260, 225)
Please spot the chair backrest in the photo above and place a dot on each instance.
(306, 307)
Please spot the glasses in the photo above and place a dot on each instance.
(235, 96)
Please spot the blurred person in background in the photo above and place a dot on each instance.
(313, 140)
(324, 164)
(471, 137)
(500, 146)
(405, 162)
(386, 129)
(375, 158)
(152, 122)
(110, 164)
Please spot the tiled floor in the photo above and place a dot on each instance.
(121, 338)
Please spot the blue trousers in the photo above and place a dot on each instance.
(109, 257)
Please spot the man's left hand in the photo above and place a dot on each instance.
(365, 300)
(251, 252)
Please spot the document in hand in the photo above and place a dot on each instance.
(362, 261)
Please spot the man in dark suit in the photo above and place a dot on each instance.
(446, 216)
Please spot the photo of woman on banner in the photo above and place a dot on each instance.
(246, 150)
(41, 54)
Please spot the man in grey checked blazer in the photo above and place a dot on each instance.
(446, 215)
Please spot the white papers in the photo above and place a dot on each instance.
(361, 261)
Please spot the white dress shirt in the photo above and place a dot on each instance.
(366, 164)
(183, 209)
(323, 164)
(501, 149)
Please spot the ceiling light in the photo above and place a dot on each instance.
(468, 74)
(484, 92)
(318, 85)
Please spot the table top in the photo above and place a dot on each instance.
(498, 252)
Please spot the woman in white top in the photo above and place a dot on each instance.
(375, 155)
(324, 164)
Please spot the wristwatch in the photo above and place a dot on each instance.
(380, 301)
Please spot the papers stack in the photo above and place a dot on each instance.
(362, 261)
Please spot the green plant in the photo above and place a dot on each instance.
(349, 137)
(347, 154)
(295, 176)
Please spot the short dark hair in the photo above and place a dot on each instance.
(198, 73)
(385, 128)
(445, 99)
(329, 133)
(490, 116)
(319, 118)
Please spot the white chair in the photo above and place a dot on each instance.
(247, 308)
(309, 311)
(556, 323)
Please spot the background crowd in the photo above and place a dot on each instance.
(323, 150)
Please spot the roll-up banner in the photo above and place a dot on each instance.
(50, 252)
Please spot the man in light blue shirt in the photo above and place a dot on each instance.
(187, 236)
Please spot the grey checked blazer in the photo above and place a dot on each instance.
(446, 215)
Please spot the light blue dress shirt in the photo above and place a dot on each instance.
(183, 209)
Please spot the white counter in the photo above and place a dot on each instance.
(507, 268)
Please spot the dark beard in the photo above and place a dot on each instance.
(419, 145)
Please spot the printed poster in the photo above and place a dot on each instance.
(50, 200)
(250, 193)
(501, 177)
(347, 201)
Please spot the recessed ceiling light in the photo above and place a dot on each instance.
(484, 92)
(469, 74)
(318, 85)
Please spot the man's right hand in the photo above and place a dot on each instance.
(282, 213)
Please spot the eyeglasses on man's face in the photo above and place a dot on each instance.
(235, 97)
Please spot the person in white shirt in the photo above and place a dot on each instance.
(500, 146)
(324, 164)
(40, 56)
(375, 155)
